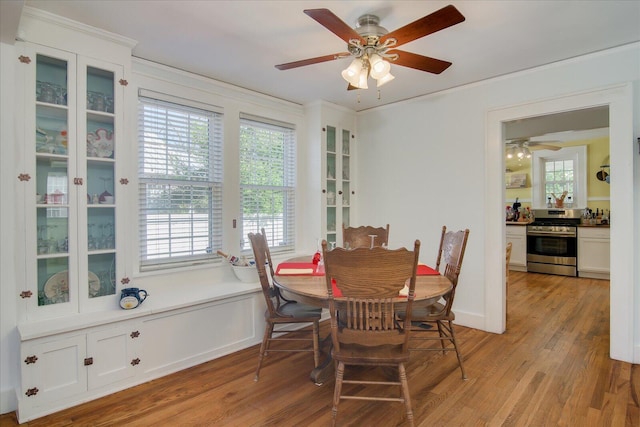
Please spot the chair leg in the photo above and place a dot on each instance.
(455, 345)
(443, 336)
(264, 347)
(316, 344)
(336, 392)
(405, 393)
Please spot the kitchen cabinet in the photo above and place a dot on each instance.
(65, 367)
(338, 189)
(72, 182)
(517, 235)
(594, 252)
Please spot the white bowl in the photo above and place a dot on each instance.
(246, 273)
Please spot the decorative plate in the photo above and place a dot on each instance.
(94, 285)
(56, 289)
(100, 143)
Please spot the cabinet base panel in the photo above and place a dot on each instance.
(593, 275)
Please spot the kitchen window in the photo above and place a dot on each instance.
(554, 172)
(180, 183)
(267, 181)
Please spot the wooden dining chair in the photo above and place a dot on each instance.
(366, 333)
(282, 312)
(440, 314)
(440, 248)
(360, 237)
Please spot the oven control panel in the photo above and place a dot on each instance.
(564, 230)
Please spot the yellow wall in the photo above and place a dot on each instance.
(597, 153)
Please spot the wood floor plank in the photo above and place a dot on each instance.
(551, 367)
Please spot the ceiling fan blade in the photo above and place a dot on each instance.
(312, 61)
(331, 22)
(420, 62)
(438, 20)
(541, 146)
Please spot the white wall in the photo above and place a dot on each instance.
(434, 152)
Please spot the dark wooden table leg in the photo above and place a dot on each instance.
(325, 371)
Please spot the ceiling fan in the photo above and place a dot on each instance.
(534, 145)
(372, 46)
(521, 148)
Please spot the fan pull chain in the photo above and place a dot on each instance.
(378, 93)
(358, 98)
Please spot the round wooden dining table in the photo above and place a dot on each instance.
(312, 290)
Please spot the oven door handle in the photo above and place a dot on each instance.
(542, 233)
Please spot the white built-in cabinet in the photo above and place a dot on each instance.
(338, 189)
(594, 252)
(61, 368)
(71, 182)
(517, 235)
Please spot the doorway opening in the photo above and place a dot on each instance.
(617, 99)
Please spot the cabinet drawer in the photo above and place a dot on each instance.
(593, 232)
(516, 230)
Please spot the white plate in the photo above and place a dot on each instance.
(57, 287)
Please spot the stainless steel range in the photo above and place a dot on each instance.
(552, 243)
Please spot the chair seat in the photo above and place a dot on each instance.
(299, 311)
(431, 313)
(389, 355)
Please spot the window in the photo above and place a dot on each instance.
(554, 172)
(267, 181)
(558, 178)
(180, 183)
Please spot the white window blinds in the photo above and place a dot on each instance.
(180, 183)
(267, 181)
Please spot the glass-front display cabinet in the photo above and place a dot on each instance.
(70, 210)
(337, 187)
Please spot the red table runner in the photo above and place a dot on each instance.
(310, 269)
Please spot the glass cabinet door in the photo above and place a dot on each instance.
(71, 148)
(53, 185)
(346, 176)
(337, 185)
(331, 185)
(100, 185)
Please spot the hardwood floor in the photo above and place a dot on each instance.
(551, 367)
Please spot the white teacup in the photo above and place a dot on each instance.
(108, 200)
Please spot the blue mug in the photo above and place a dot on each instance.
(132, 297)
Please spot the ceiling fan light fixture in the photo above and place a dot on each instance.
(385, 79)
(362, 79)
(352, 73)
(379, 67)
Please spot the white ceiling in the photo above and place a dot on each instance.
(239, 42)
